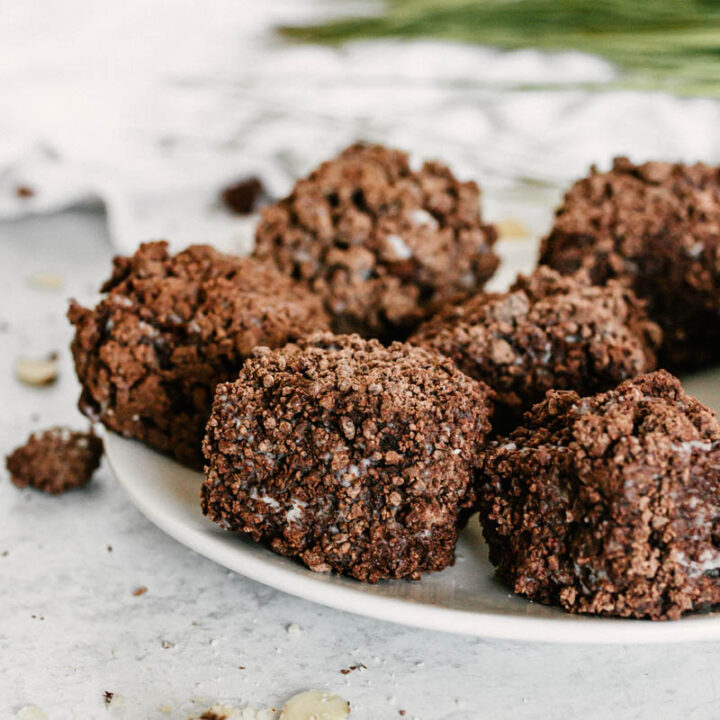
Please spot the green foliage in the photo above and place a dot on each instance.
(671, 44)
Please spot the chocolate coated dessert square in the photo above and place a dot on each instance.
(169, 329)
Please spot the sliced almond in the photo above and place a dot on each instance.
(31, 371)
(315, 705)
(31, 712)
(511, 228)
(115, 701)
(46, 280)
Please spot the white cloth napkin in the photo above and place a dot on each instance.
(152, 107)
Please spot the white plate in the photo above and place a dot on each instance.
(463, 599)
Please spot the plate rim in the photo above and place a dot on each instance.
(589, 629)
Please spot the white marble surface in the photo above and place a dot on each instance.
(70, 627)
(153, 110)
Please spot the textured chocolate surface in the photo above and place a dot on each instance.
(169, 329)
(609, 504)
(547, 332)
(382, 244)
(55, 460)
(655, 227)
(350, 456)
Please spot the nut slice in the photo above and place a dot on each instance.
(315, 705)
(46, 281)
(37, 372)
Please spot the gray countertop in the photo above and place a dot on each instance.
(71, 628)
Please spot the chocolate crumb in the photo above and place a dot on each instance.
(213, 715)
(348, 670)
(109, 548)
(55, 460)
(242, 197)
(108, 697)
(140, 591)
(24, 191)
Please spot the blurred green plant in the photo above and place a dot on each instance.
(668, 44)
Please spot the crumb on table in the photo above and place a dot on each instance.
(55, 460)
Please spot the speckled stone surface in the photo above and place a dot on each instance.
(71, 627)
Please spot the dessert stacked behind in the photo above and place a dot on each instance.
(382, 244)
(169, 329)
(547, 332)
(656, 228)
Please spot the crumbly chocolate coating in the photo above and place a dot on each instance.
(547, 332)
(656, 228)
(55, 460)
(609, 504)
(348, 455)
(169, 329)
(382, 244)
